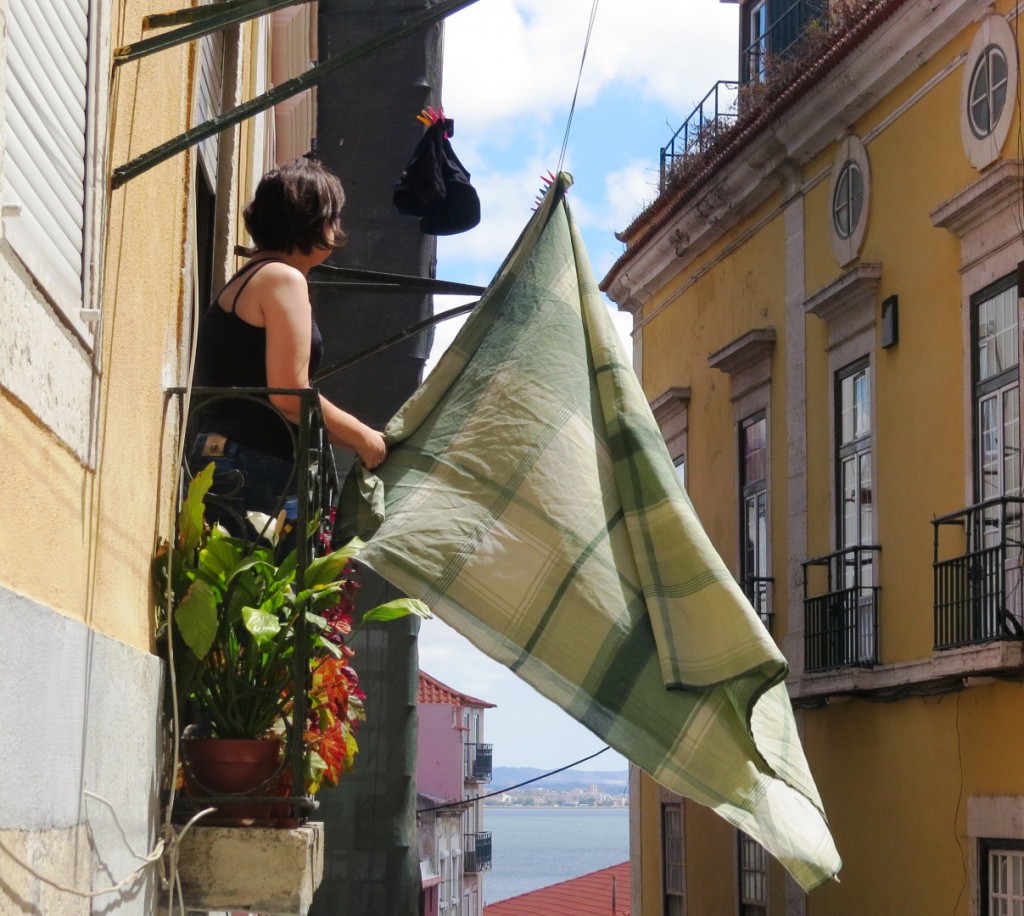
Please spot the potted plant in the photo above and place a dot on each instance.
(242, 638)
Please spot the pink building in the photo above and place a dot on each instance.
(453, 762)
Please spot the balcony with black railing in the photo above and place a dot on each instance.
(977, 574)
(758, 590)
(778, 37)
(478, 763)
(841, 617)
(713, 114)
(308, 516)
(477, 853)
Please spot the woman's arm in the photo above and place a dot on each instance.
(283, 298)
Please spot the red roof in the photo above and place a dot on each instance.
(431, 690)
(588, 895)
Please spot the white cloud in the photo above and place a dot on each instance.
(525, 728)
(510, 60)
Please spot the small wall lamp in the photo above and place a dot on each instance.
(890, 321)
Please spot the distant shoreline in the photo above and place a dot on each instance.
(562, 807)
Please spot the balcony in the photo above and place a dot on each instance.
(779, 39)
(315, 480)
(978, 587)
(477, 853)
(841, 620)
(714, 114)
(478, 763)
(758, 590)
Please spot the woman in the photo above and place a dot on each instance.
(259, 332)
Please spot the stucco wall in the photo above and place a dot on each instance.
(80, 718)
(439, 755)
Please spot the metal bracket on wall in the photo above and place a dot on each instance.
(312, 77)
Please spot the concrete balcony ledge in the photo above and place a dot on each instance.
(253, 869)
(969, 664)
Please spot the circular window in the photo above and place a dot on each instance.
(848, 199)
(987, 94)
(989, 91)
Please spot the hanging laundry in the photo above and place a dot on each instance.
(435, 185)
(530, 500)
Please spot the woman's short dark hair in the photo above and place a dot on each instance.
(297, 205)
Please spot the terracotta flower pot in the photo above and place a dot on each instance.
(236, 767)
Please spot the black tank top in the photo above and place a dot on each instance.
(231, 353)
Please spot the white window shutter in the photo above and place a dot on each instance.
(45, 111)
(209, 96)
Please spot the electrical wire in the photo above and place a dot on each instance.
(518, 785)
(579, 79)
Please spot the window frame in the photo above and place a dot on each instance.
(751, 865)
(854, 448)
(674, 896)
(851, 153)
(78, 311)
(993, 32)
(758, 566)
(986, 847)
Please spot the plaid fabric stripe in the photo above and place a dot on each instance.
(530, 500)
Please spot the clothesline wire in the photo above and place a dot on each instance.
(518, 785)
(576, 92)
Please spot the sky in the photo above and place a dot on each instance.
(510, 71)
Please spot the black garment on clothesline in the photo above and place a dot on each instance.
(435, 186)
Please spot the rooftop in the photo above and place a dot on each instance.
(601, 893)
(431, 690)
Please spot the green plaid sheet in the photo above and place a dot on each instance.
(530, 500)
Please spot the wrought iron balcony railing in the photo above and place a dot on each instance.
(841, 621)
(478, 763)
(715, 113)
(477, 854)
(978, 588)
(758, 590)
(783, 31)
(315, 480)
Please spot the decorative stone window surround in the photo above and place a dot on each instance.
(852, 151)
(985, 217)
(747, 361)
(983, 151)
(670, 411)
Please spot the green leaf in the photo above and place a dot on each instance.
(190, 518)
(218, 557)
(196, 617)
(324, 570)
(262, 625)
(400, 607)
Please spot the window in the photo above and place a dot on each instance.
(672, 858)
(853, 462)
(849, 196)
(996, 393)
(848, 199)
(1002, 877)
(996, 370)
(753, 874)
(757, 46)
(47, 133)
(754, 574)
(988, 91)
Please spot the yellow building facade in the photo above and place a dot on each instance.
(97, 296)
(827, 324)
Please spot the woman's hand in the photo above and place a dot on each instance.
(372, 449)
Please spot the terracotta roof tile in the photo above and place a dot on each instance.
(431, 690)
(588, 895)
